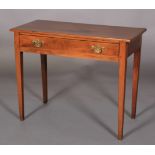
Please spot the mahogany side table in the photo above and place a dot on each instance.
(112, 43)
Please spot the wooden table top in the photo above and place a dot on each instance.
(81, 30)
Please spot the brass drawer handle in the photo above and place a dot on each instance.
(97, 49)
(37, 43)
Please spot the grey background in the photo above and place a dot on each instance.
(82, 107)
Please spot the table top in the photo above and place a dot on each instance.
(81, 30)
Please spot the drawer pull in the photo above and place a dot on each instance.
(37, 43)
(97, 49)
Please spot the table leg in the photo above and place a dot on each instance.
(44, 77)
(19, 74)
(136, 67)
(122, 85)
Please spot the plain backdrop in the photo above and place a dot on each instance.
(87, 75)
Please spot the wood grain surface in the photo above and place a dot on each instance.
(81, 30)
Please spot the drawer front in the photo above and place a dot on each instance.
(68, 47)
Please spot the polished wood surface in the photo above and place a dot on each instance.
(69, 47)
(19, 74)
(81, 30)
(112, 43)
(121, 88)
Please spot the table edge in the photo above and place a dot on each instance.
(76, 35)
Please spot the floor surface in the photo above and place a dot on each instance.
(82, 106)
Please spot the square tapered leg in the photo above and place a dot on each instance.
(136, 67)
(19, 74)
(44, 77)
(121, 89)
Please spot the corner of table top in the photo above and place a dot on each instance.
(14, 29)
